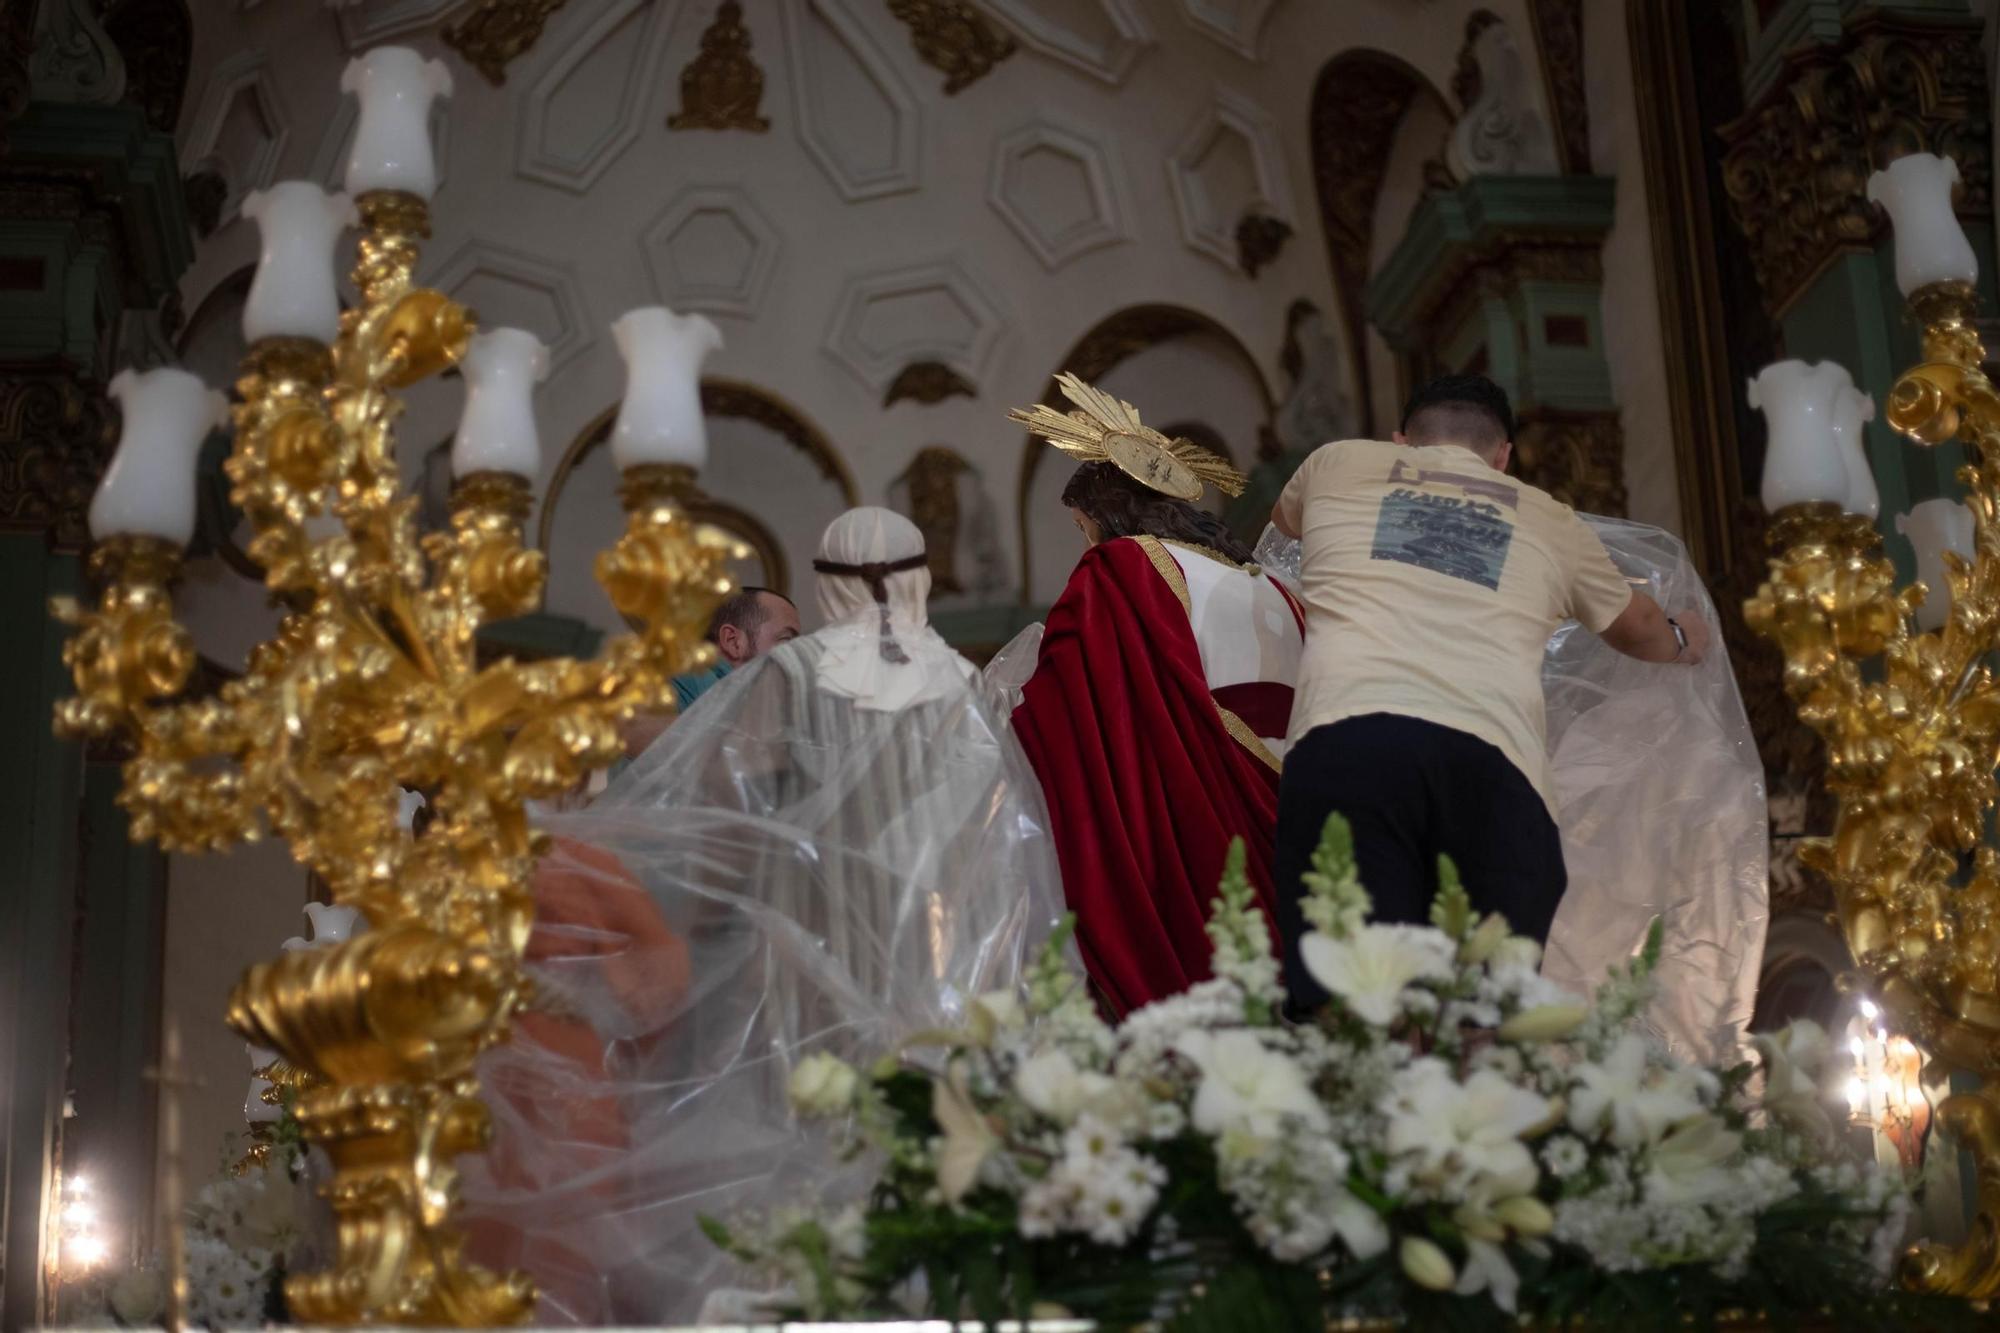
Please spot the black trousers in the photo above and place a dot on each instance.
(1411, 790)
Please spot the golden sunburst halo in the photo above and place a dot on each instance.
(1106, 429)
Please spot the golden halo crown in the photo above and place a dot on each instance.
(1105, 429)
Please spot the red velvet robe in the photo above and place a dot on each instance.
(1146, 785)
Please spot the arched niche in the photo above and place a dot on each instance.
(1362, 105)
(773, 480)
(1175, 365)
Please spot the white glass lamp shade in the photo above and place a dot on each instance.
(294, 294)
(148, 491)
(1851, 409)
(660, 419)
(392, 144)
(1934, 527)
(329, 925)
(1930, 245)
(496, 433)
(1804, 461)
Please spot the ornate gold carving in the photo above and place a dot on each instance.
(954, 37)
(722, 88)
(1104, 428)
(494, 33)
(56, 434)
(1258, 240)
(1558, 26)
(1911, 721)
(927, 382)
(373, 684)
(933, 480)
(1358, 101)
(1798, 161)
(1578, 457)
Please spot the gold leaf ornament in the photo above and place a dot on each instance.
(1106, 429)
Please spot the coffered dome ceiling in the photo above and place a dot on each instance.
(920, 200)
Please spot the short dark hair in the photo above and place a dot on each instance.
(745, 609)
(1464, 409)
(1122, 507)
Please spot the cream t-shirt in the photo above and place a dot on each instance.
(1432, 584)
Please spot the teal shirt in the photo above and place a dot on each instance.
(687, 689)
(694, 684)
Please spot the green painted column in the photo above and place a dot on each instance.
(1504, 276)
(114, 1013)
(40, 795)
(93, 232)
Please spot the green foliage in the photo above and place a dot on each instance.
(1451, 909)
(1051, 983)
(1335, 903)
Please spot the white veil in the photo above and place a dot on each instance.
(840, 844)
(1663, 808)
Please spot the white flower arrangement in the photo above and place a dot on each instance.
(1454, 1139)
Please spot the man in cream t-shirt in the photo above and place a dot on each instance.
(1432, 581)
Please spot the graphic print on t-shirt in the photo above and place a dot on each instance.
(1464, 539)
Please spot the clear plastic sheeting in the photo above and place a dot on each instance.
(1663, 808)
(794, 867)
(1008, 671)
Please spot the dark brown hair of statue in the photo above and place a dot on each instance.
(1121, 507)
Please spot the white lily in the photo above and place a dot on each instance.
(1247, 1086)
(1358, 1225)
(993, 1013)
(1487, 1269)
(968, 1140)
(1469, 1131)
(1794, 1073)
(1369, 969)
(1691, 1165)
(1620, 1096)
(1051, 1084)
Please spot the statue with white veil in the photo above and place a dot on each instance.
(841, 846)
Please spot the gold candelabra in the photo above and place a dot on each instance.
(372, 684)
(1911, 722)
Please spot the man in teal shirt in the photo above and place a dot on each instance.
(749, 623)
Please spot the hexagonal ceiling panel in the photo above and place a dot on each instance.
(1229, 164)
(514, 289)
(1100, 37)
(711, 249)
(855, 114)
(589, 105)
(925, 312)
(1235, 24)
(1055, 186)
(239, 129)
(374, 21)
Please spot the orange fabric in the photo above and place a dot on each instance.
(586, 905)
